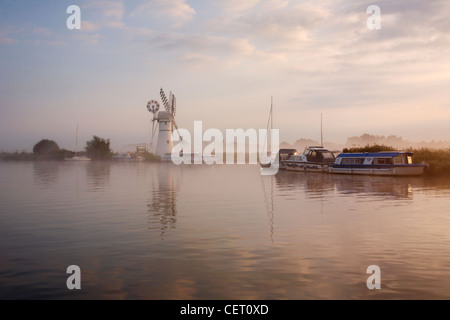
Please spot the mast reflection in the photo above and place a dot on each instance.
(267, 183)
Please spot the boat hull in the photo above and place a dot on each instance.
(409, 170)
(305, 167)
(79, 159)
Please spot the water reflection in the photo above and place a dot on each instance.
(267, 183)
(98, 174)
(45, 173)
(386, 187)
(317, 185)
(162, 203)
(166, 232)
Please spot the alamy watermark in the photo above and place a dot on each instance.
(374, 281)
(74, 20)
(374, 20)
(232, 148)
(74, 281)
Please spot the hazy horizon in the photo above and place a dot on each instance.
(223, 60)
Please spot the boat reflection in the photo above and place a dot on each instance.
(321, 185)
(316, 185)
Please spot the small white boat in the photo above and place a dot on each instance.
(314, 159)
(76, 158)
(382, 164)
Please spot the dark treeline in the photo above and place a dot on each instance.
(48, 150)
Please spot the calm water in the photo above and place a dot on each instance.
(159, 231)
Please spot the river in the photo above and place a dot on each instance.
(160, 231)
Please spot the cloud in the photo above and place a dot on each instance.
(45, 36)
(177, 11)
(42, 31)
(7, 33)
(106, 14)
(194, 47)
(235, 6)
(197, 60)
(4, 40)
(110, 9)
(273, 23)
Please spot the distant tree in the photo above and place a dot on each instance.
(46, 148)
(98, 149)
(369, 148)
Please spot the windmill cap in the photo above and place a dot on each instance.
(162, 115)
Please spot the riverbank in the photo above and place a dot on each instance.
(26, 156)
(438, 160)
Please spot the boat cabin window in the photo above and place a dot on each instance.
(286, 155)
(410, 159)
(328, 155)
(353, 161)
(312, 155)
(400, 159)
(383, 161)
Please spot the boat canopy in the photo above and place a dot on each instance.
(374, 155)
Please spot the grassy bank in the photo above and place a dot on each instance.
(58, 156)
(17, 156)
(151, 157)
(27, 156)
(438, 160)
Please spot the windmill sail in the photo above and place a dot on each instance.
(165, 101)
(174, 106)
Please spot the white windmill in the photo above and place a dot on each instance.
(166, 123)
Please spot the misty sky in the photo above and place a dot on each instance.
(223, 60)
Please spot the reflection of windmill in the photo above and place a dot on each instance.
(162, 204)
(166, 123)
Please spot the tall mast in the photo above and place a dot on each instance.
(271, 122)
(321, 130)
(76, 143)
(271, 115)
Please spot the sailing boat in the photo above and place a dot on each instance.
(77, 158)
(269, 131)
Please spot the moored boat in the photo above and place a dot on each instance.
(283, 155)
(314, 159)
(382, 163)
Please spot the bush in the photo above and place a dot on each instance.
(438, 160)
(369, 148)
(46, 150)
(98, 149)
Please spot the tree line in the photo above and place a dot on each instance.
(46, 149)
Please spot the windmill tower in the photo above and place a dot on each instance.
(166, 124)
